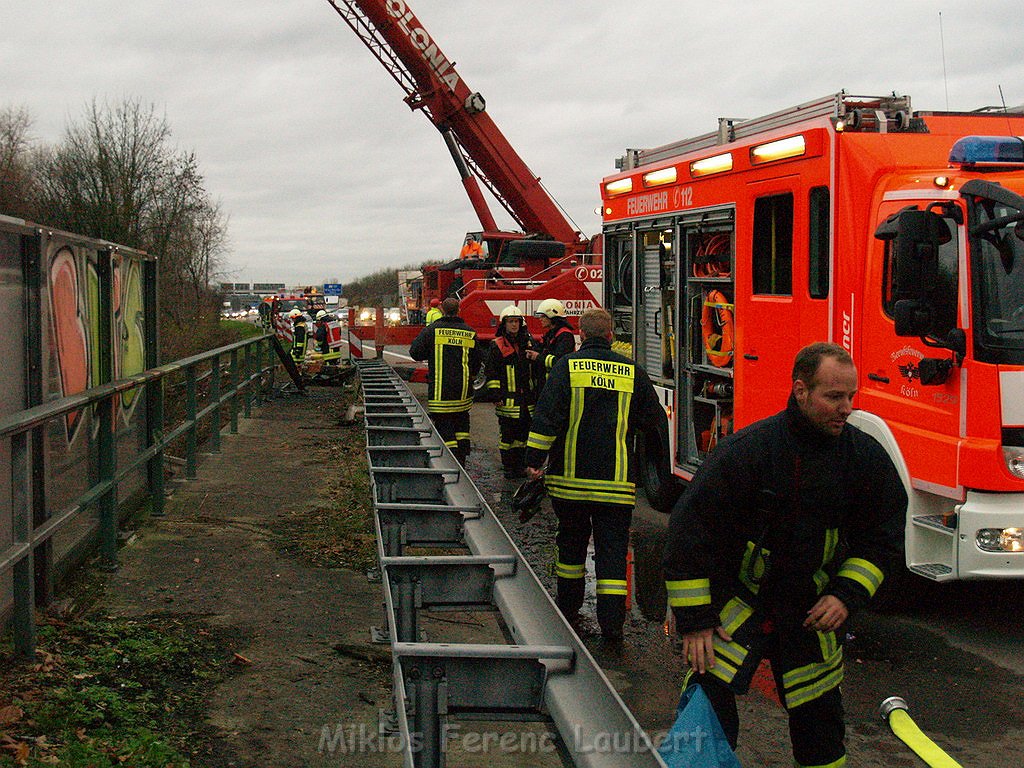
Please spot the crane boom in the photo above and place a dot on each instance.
(410, 55)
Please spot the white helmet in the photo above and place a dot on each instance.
(510, 311)
(294, 313)
(321, 314)
(550, 308)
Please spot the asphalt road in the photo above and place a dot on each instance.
(953, 652)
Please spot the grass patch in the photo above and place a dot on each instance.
(337, 531)
(107, 691)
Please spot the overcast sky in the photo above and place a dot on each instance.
(325, 172)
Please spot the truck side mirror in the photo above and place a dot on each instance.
(915, 253)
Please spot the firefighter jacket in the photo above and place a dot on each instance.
(779, 514)
(509, 374)
(300, 339)
(586, 420)
(434, 314)
(556, 343)
(453, 357)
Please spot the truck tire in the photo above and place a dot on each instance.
(661, 488)
(648, 579)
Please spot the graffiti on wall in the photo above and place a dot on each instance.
(74, 318)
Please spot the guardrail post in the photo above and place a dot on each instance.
(190, 416)
(215, 400)
(154, 393)
(247, 376)
(22, 620)
(107, 470)
(234, 392)
(32, 254)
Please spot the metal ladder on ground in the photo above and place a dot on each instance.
(541, 672)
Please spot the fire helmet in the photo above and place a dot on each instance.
(510, 311)
(294, 314)
(550, 308)
(321, 314)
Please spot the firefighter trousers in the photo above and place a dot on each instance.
(609, 524)
(454, 431)
(807, 668)
(514, 431)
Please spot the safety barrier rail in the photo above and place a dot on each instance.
(247, 362)
(540, 672)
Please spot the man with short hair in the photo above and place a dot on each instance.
(594, 402)
(453, 357)
(788, 526)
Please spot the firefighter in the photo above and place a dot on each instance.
(586, 421)
(558, 340)
(434, 313)
(788, 527)
(321, 338)
(300, 335)
(453, 357)
(510, 385)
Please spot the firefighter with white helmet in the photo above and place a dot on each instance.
(321, 340)
(510, 385)
(300, 335)
(558, 341)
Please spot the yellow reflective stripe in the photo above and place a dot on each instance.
(493, 384)
(794, 678)
(438, 372)
(462, 435)
(827, 643)
(831, 540)
(734, 652)
(449, 406)
(758, 567)
(611, 586)
(566, 571)
(518, 444)
(539, 441)
(688, 592)
(621, 463)
(503, 446)
(511, 377)
(549, 361)
(811, 692)
(723, 670)
(863, 572)
(465, 372)
(734, 614)
(572, 433)
(451, 443)
(627, 499)
(834, 764)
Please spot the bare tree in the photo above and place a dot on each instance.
(16, 178)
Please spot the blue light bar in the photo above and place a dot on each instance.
(988, 150)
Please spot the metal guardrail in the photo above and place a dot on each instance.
(423, 498)
(22, 430)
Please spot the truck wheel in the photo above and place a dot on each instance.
(661, 489)
(648, 578)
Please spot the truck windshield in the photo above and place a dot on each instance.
(997, 254)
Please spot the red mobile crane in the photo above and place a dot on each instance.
(549, 258)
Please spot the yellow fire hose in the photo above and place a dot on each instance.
(894, 710)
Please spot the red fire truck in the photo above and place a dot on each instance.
(548, 258)
(897, 234)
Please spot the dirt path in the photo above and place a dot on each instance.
(217, 556)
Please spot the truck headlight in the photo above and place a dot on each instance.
(1014, 457)
(1000, 539)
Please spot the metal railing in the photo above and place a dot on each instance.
(539, 672)
(230, 375)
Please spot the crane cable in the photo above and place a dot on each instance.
(894, 710)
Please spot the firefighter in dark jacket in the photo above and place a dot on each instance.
(788, 527)
(586, 421)
(557, 342)
(510, 386)
(453, 358)
(300, 335)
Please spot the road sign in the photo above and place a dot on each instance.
(332, 289)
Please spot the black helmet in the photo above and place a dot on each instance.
(527, 498)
